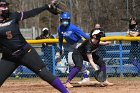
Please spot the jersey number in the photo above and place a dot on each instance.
(9, 35)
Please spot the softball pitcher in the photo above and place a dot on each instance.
(16, 51)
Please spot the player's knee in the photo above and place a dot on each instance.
(46, 75)
(101, 63)
(79, 67)
(103, 68)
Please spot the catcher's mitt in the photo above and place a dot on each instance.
(100, 75)
(57, 7)
(128, 19)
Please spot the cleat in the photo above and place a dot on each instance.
(84, 81)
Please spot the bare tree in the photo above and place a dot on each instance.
(85, 13)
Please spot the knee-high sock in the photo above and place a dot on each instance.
(59, 86)
(72, 74)
(103, 68)
(85, 72)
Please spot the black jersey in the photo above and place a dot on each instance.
(135, 43)
(137, 29)
(10, 35)
(87, 47)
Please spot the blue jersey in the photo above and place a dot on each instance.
(72, 34)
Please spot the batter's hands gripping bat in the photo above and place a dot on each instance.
(100, 75)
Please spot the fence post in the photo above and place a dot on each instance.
(121, 60)
(53, 59)
(33, 33)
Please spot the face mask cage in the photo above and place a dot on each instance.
(65, 22)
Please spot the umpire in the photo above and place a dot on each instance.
(16, 51)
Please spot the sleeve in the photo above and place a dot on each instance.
(88, 47)
(60, 39)
(31, 13)
(81, 32)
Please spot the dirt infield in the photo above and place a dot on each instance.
(122, 85)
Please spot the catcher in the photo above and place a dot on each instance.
(16, 51)
(86, 51)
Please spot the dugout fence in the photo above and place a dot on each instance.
(117, 58)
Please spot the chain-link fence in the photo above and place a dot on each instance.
(122, 59)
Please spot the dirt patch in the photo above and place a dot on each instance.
(122, 85)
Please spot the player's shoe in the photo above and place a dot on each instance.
(85, 80)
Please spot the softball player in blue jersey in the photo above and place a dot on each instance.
(73, 35)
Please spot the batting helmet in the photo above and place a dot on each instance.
(65, 15)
